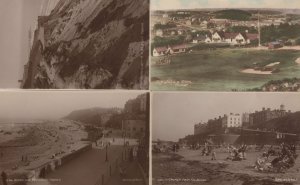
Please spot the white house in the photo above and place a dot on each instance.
(159, 32)
(165, 15)
(233, 38)
(217, 37)
(199, 39)
(175, 49)
(232, 120)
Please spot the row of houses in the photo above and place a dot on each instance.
(236, 120)
(217, 37)
(237, 38)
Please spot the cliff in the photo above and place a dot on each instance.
(94, 116)
(93, 44)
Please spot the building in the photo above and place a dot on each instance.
(199, 39)
(160, 51)
(232, 120)
(174, 49)
(233, 38)
(159, 33)
(136, 106)
(165, 15)
(199, 128)
(274, 45)
(267, 114)
(134, 128)
(245, 119)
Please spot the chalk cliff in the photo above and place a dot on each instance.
(93, 44)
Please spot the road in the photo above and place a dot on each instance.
(87, 169)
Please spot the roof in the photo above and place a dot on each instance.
(227, 35)
(201, 37)
(230, 35)
(274, 43)
(182, 46)
(161, 49)
(252, 36)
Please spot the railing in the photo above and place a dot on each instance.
(113, 167)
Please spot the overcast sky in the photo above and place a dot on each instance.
(57, 104)
(16, 18)
(192, 4)
(174, 114)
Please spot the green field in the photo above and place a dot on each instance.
(219, 70)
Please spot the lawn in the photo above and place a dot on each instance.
(219, 70)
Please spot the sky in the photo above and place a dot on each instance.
(192, 4)
(30, 105)
(175, 114)
(16, 18)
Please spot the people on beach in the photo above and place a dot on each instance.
(213, 155)
(4, 178)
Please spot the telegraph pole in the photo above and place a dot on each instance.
(259, 33)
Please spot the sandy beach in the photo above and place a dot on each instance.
(39, 143)
(189, 167)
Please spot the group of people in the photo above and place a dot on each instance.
(237, 154)
(277, 160)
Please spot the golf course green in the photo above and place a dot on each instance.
(220, 69)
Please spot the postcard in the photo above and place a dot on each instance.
(74, 44)
(225, 138)
(74, 138)
(223, 45)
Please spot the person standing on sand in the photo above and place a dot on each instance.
(213, 155)
(4, 178)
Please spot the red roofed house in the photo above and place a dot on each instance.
(160, 51)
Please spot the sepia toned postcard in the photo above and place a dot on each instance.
(224, 45)
(225, 138)
(74, 44)
(74, 138)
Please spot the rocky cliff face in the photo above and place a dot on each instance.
(95, 44)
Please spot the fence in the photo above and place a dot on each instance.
(113, 167)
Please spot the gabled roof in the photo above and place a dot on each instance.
(250, 36)
(181, 46)
(161, 49)
(230, 35)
